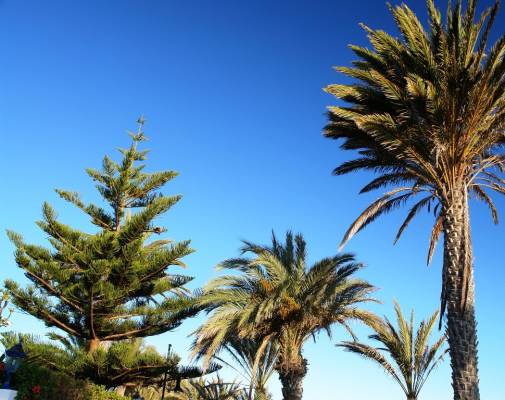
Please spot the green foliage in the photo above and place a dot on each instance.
(215, 389)
(111, 285)
(413, 357)
(4, 302)
(241, 354)
(96, 392)
(426, 113)
(120, 363)
(34, 382)
(152, 393)
(276, 298)
(129, 362)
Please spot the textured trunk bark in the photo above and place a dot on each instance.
(260, 393)
(292, 382)
(458, 297)
(93, 345)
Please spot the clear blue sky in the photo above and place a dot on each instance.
(231, 91)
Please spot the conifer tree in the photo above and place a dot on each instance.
(111, 284)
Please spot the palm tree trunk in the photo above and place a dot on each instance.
(292, 382)
(458, 296)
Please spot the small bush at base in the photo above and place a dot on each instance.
(38, 383)
(95, 392)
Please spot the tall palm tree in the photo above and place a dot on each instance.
(427, 113)
(413, 358)
(242, 354)
(276, 298)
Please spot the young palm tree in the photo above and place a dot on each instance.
(242, 353)
(428, 115)
(216, 389)
(413, 357)
(275, 298)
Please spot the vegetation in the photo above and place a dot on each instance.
(276, 298)
(427, 113)
(4, 302)
(106, 289)
(121, 364)
(40, 383)
(243, 354)
(216, 389)
(413, 357)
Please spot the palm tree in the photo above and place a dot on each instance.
(428, 115)
(275, 298)
(413, 357)
(242, 353)
(216, 389)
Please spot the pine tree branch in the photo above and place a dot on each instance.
(59, 324)
(129, 334)
(53, 225)
(52, 290)
(138, 369)
(180, 249)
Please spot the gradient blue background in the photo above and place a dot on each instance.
(231, 91)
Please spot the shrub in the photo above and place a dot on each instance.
(96, 392)
(38, 383)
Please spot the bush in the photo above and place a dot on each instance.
(96, 392)
(38, 383)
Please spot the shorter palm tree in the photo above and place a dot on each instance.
(276, 298)
(215, 389)
(241, 357)
(412, 357)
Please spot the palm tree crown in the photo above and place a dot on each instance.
(427, 113)
(413, 357)
(276, 298)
